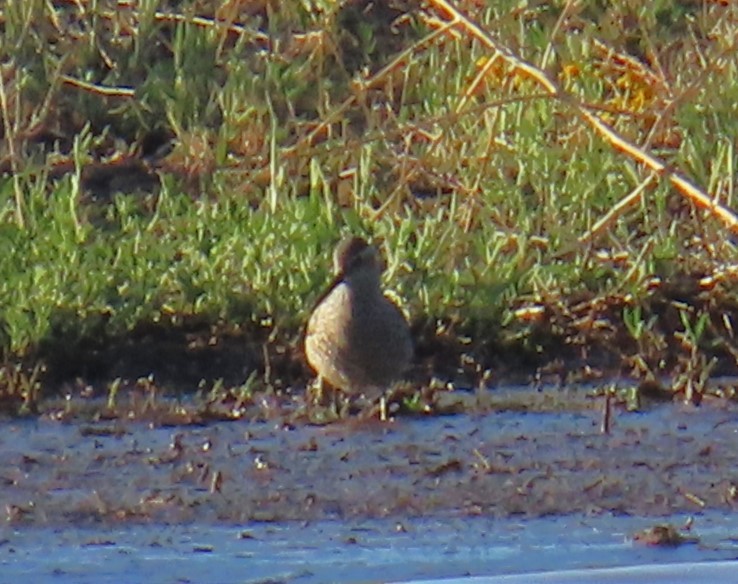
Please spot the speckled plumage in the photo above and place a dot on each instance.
(357, 339)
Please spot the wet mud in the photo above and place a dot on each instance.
(669, 459)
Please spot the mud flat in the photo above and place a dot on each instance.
(491, 494)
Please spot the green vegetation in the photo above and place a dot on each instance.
(185, 168)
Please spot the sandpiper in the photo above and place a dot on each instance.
(357, 339)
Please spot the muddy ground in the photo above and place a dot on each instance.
(668, 458)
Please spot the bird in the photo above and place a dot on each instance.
(356, 338)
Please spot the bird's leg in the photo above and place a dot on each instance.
(318, 397)
(322, 400)
(313, 391)
(342, 405)
(334, 403)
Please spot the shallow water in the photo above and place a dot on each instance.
(354, 551)
(501, 493)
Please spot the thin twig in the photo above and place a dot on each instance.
(617, 210)
(480, 77)
(606, 421)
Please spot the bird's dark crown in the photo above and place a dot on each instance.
(350, 253)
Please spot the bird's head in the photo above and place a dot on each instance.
(353, 255)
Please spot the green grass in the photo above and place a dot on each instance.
(480, 210)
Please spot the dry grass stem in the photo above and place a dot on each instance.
(10, 131)
(230, 27)
(125, 92)
(614, 213)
